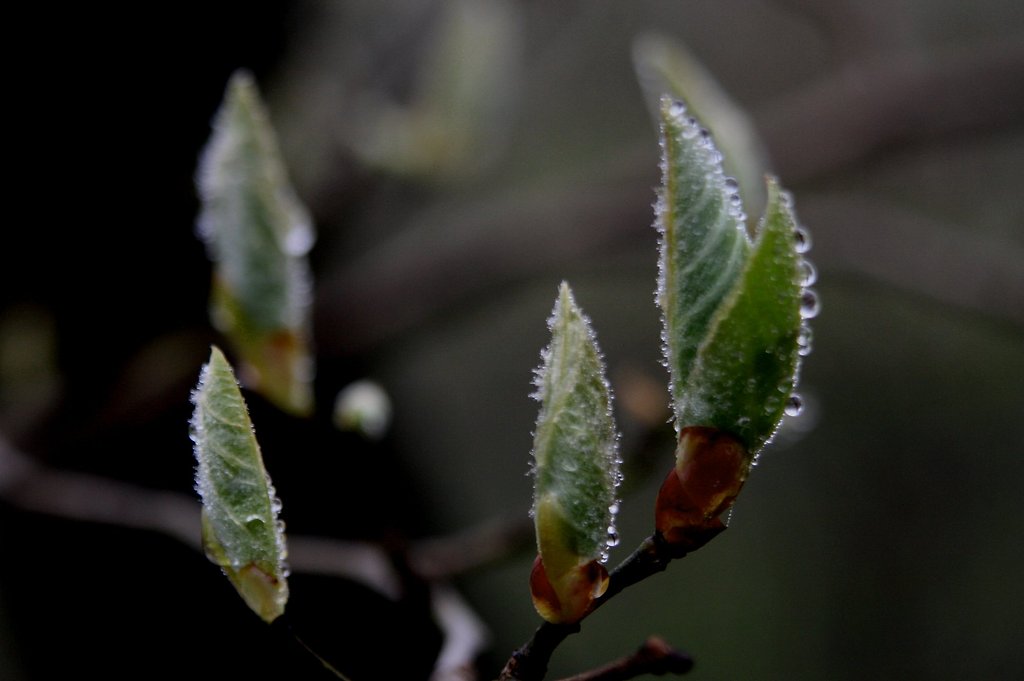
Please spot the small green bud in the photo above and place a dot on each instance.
(576, 468)
(241, 529)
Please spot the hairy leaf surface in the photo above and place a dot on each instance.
(241, 529)
(703, 245)
(745, 370)
(576, 460)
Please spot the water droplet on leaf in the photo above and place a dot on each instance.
(795, 405)
(803, 240)
(803, 341)
(254, 523)
(809, 305)
(808, 273)
(299, 239)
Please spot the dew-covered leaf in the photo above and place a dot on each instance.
(575, 451)
(703, 244)
(241, 530)
(746, 369)
(665, 66)
(258, 236)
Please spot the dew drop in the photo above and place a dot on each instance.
(731, 185)
(809, 305)
(299, 239)
(803, 240)
(794, 406)
(803, 341)
(613, 509)
(613, 537)
(254, 523)
(677, 109)
(808, 273)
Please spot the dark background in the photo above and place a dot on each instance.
(879, 536)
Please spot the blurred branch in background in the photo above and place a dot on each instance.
(962, 269)
(423, 227)
(90, 498)
(855, 30)
(892, 100)
(820, 130)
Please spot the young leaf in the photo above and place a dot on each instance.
(703, 243)
(734, 336)
(746, 368)
(576, 468)
(258, 235)
(241, 530)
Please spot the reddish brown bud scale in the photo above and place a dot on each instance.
(579, 587)
(711, 467)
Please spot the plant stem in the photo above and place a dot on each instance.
(655, 656)
(530, 662)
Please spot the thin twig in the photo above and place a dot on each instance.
(655, 656)
(83, 497)
(530, 662)
(305, 647)
(92, 498)
(437, 558)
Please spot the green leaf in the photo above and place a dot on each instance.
(575, 450)
(665, 66)
(703, 244)
(241, 530)
(258, 235)
(746, 368)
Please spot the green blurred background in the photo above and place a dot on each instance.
(460, 159)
